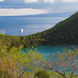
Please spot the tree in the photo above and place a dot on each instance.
(64, 63)
(17, 63)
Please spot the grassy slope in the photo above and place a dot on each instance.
(65, 32)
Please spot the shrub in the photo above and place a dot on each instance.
(42, 74)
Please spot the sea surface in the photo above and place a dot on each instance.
(12, 25)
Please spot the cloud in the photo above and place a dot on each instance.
(69, 0)
(21, 12)
(35, 1)
(51, 1)
(31, 1)
(1, 0)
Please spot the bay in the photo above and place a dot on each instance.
(48, 50)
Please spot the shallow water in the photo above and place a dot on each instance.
(48, 50)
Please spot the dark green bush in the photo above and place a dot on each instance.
(42, 74)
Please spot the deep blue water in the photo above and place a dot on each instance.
(12, 25)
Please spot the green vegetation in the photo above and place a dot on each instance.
(65, 64)
(18, 64)
(14, 63)
(42, 74)
(17, 41)
(65, 32)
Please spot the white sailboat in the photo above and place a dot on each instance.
(21, 30)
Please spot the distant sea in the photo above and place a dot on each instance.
(12, 25)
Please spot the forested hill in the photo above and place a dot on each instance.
(65, 32)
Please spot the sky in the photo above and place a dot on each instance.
(34, 7)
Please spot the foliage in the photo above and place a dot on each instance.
(65, 32)
(16, 64)
(42, 74)
(65, 64)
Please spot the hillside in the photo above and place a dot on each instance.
(65, 32)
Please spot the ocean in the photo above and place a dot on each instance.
(12, 25)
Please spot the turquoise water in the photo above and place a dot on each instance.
(48, 50)
(12, 25)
